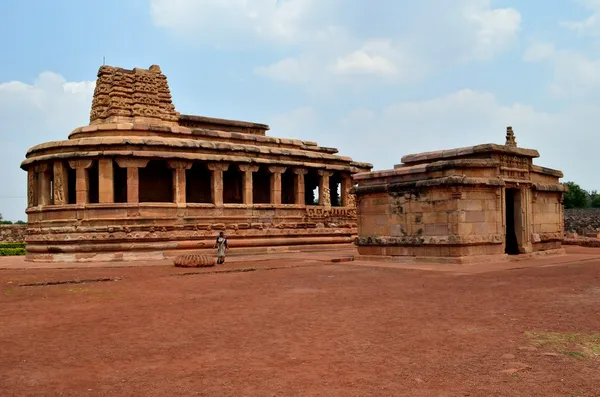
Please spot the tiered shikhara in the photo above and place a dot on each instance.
(142, 181)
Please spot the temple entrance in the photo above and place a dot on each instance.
(513, 220)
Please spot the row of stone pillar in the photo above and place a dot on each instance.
(40, 177)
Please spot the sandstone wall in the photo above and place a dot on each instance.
(430, 222)
(12, 233)
(546, 221)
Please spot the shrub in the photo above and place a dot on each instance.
(12, 251)
(12, 245)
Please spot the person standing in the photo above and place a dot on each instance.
(222, 247)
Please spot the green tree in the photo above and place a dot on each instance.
(576, 197)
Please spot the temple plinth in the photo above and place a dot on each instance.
(478, 203)
(142, 181)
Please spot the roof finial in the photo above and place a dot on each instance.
(510, 137)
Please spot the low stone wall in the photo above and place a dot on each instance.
(12, 233)
(582, 221)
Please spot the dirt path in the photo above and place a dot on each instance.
(318, 330)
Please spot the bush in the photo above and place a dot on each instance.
(12, 245)
(12, 251)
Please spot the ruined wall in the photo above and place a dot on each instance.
(12, 233)
(437, 221)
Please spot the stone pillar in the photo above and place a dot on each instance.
(32, 187)
(276, 183)
(106, 186)
(345, 190)
(133, 179)
(179, 185)
(324, 193)
(248, 170)
(44, 180)
(300, 186)
(81, 180)
(217, 182)
(61, 181)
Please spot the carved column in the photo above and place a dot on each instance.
(133, 178)
(179, 184)
(81, 179)
(276, 183)
(345, 190)
(299, 186)
(324, 193)
(106, 186)
(61, 180)
(217, 182)
(32, 186)
(44, 177)
(248, 170)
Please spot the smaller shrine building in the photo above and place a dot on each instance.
(461, 205)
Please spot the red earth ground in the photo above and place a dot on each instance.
(297, 327)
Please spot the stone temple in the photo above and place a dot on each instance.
(462, 205)
(142, 181)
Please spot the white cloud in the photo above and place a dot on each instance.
(495, 30)
(290, 70)
(225, 22)
(537, 51)
(391, 40)
(589, 26)
(371, 59)
(49, 109)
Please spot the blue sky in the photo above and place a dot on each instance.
(377, 79)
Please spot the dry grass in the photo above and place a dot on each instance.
(574, 344)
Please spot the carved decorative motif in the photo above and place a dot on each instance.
(132, 163)
(31, 189)
(510, 137)
(180, 164)
(300, 171)
(326, 212)
(276, 169)
(514, 167)
(132, 93)
(248, 167)
(351, 199)
(80, 163)
(218, 166)
(326, 194)
(59, 188)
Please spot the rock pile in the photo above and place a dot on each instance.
(582, 221)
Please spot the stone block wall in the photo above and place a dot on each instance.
(430, 222)
(547, 226)
(12, 233)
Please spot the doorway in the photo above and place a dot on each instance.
(512, 201)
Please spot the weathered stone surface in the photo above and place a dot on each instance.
(194, 260)
(12, 233)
